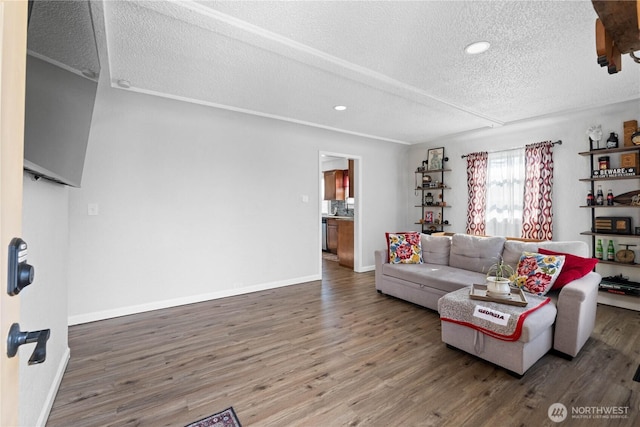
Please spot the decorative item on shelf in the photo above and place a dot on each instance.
(637, 231)
(590, 198)
(614, 173)
(599, 252)
(603, 162)
(630, 127)
(613, 224)
(599, 196)
(428, 199)
(625, 256)
(428, 217)
(595, 135)
(635, 137)
(630, 160)
(612, 141)
(426, 181)
(630, 198)
(620, 285)
(435, 158)
(499, 279)
(610, 251)
(609, 197)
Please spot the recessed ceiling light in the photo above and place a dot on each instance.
(340, 107)
(477, 47)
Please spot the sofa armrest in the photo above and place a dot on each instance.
(381, 258)
(577, 304)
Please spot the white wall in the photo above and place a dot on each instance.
(44, 302)
(569, 167)
(197, 203)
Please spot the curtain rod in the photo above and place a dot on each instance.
(558, 142)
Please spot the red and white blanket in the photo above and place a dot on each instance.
(501, 321)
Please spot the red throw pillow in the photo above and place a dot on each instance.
(574, 267)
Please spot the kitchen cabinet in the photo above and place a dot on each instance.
(332, 235)
(345, 243)
(334, 185)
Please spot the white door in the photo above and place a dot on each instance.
(13, 39)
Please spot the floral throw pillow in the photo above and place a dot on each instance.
(404, 248)
(536, 273)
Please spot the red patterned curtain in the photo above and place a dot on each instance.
(477, 188)
(537, 221)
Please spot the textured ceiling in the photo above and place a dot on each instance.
(62, 32)
(398, 66)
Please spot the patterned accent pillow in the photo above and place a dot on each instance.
(404, 248)
(536, 273)
(574, 267)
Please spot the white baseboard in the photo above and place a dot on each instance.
(157, 305)
(51, 396)
(365, 268)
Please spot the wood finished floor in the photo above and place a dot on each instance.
(330, 353)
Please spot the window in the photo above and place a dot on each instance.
(505, 193)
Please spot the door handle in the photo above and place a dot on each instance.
(16, 338)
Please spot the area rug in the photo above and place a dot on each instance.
(226, 418)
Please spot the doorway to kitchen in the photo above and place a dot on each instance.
(339, 219)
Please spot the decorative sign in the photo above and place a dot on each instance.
(613, 173)
(428, 217)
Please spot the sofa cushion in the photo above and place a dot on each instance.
(442, 277)
(513, 249)
(404, 248)
(475, 253)
(577, 248)
(435, 249)
(536, 273)
(574, 267)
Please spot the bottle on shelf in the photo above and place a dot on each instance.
(609, 198)
(611, 251)
(599, 196)
(599, 253)
(590, 200)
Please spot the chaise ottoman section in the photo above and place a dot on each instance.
(516, 353)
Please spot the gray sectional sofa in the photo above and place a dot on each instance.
(454, 262)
